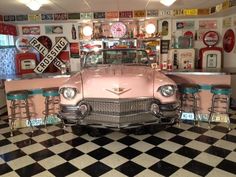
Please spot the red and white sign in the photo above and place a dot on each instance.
(210, 38)
(118, 30)
(229, 40)
(49, 56)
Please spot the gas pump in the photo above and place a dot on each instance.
(210, 56)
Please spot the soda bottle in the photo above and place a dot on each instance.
(73, 32)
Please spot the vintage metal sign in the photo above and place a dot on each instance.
(49, 56)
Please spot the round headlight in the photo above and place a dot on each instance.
(69, 93)
(167, 90)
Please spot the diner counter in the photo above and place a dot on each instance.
(223, 71)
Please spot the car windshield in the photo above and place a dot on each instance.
(116, 56)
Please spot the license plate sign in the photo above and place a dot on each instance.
(187, 116)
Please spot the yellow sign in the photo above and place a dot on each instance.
(191, 12)
(139, 13)
(178, 12)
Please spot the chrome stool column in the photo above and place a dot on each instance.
(18, 104)
(52, 101)
(220, 103)
(189, 100)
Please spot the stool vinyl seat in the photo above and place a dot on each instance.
(51, 92)
(189, 88)
(221, 89)
(18, 95)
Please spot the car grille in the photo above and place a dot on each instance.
(119, 107)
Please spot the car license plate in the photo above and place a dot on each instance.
(187, 116)
(40, 121)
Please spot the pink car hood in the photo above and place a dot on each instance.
(119, 81)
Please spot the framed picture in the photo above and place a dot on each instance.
(54, 29)
(31, 30)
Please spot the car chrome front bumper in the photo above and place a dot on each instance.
(120, 114)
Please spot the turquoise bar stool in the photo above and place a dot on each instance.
(19, 107)
(52, 100)
(220, 103)
(189, 100)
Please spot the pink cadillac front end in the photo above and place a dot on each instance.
(118, 89)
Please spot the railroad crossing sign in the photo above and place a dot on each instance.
(49, 56)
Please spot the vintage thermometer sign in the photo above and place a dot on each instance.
(49, 56)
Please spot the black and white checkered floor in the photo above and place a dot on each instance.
(183, 151)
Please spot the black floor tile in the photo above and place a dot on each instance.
(63, 169)
(206, 139)
(4, 125)
(188, 152)
(230, 138)
(217, 151)
(77, 141)
(25, 143)
(228, 166)
(4, 168)
(50, 142)
(30, 170)
(70, 154)
(102, 141)
(164, 168)
(128, 140)
(35, 133)
(129, 153)
(8, 134)
(158, 152)
(4, 142)
(220, 129)
(58, 132)
(174, 130)
(198, 130)
(12, 155)
(97, 169)
(198, 168)
(100, 153)
(43, 154)
(154, 140)
(130, 168)
(180, 140)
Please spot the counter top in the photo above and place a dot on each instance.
(33, 76)
(222, 71)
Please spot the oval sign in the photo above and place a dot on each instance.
(118, 30)
(22, 44)
(229, 40)
(210, 38)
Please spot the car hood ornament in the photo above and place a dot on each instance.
(118, 90)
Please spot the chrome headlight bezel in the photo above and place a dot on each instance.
(167, 90)
(69, 93)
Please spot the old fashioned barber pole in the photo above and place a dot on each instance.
(49, 56)
(210, 56)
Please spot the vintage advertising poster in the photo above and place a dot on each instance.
(234, 20)
(45, 17)
(74, 50)
(183, 25)
(60, 16)
(54, 29)
(34, 17)
(227, 22)
(208, 24)
(31, 30)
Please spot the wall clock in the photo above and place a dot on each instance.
(118, 30)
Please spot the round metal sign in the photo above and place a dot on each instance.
(210, 38)
(22, 44)
(229, 40)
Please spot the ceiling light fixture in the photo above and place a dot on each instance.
(167, 2)
(34, 5)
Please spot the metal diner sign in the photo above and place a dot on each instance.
(49, 56)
